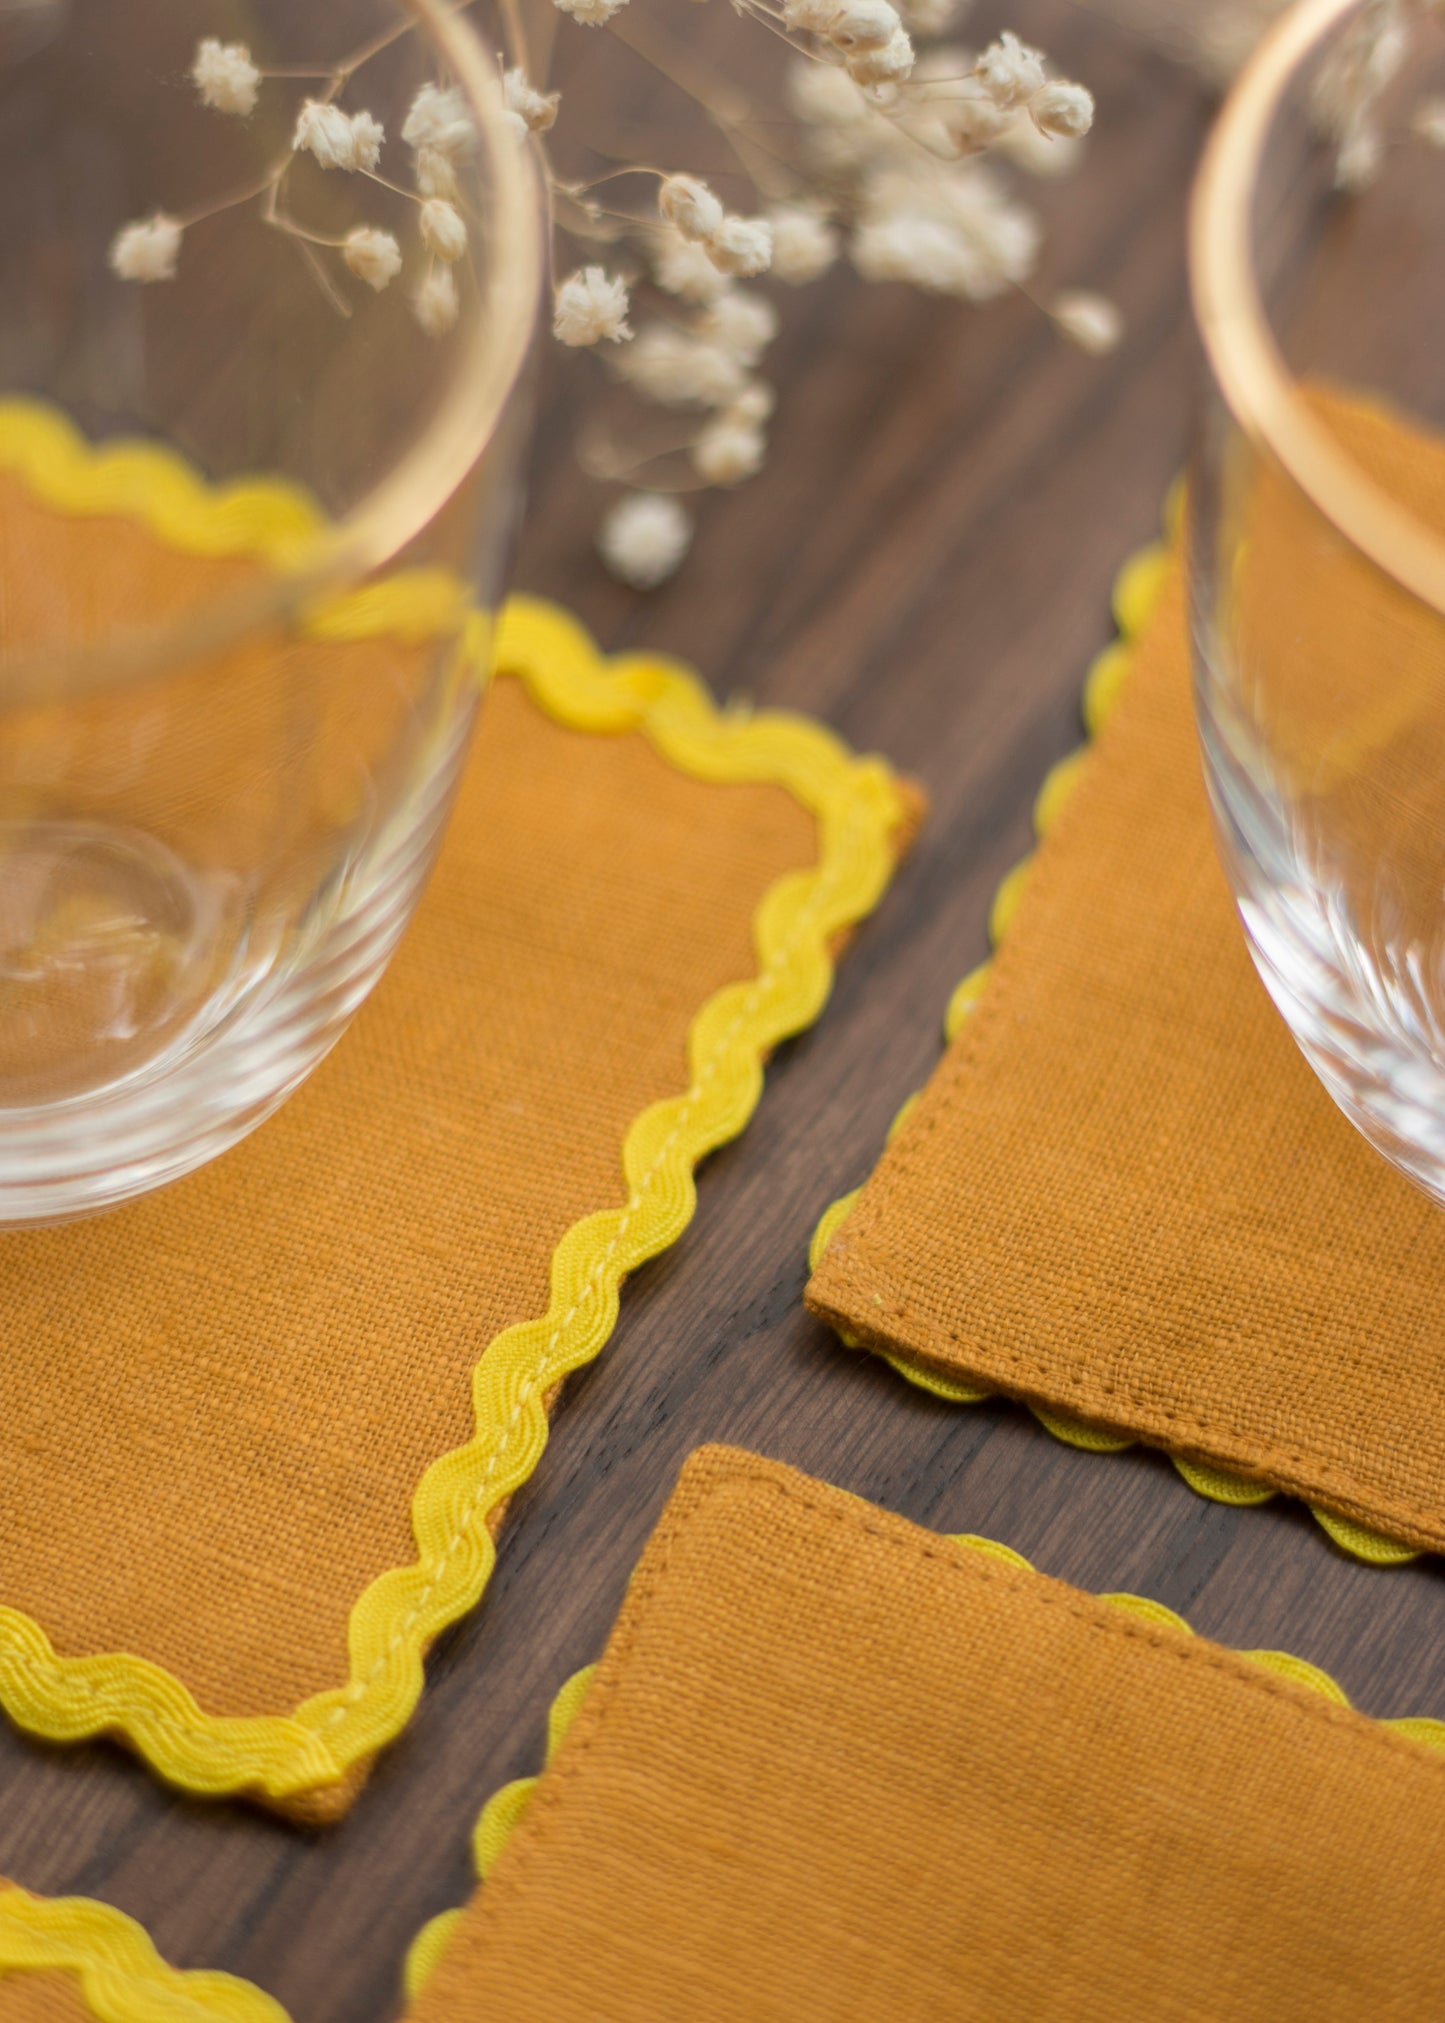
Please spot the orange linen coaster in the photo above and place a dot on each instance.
(1124, 1197)
(257, 1431)
(835, 1766)
(70, 1960)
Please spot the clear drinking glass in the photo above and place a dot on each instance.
(1317, 535)
(251, 513)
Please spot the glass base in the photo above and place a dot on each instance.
(1368, 1013)
(1367, 1030)
(147, 1022)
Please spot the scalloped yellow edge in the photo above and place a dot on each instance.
(859, 809)
(123, 1980)
(1137, 589)
(507, 1807)
(117, 1972)
(501, 1816)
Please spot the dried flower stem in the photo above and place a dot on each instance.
(728, 113)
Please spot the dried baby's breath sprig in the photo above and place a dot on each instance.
(437, 302)
(440, 120)
(884, 156)
(590, 307)
(644, 537)
(1010, 71)
(955, 231)
(741, 323)
(690, 207)
(147, 250)
(443, 229)
(868, 36)
(337, 139)
(534, 111)
(754, 405)
(681, 267)
(591, 13)
(372, 255)
(1062, 110)
(225, 77)
(885, 66)
(741, 246)
(436, 175)
(729, 451)
(805, 244)
(680, 368)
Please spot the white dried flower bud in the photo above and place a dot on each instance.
(744, 324)
(436, 304)
(742, 246)
(1010, 71)
(147, 250)
(805, 245)
(443, 230)
(906, 247)
(372, 255)
(1428, 122)
(681, 268)
(591, 13)
(337, 139)
(1063, 109)
(864, 24)
(435, 176)
(753, 405)
(1091, 321)
(367, 135)
(225, 76)
(975, 242)
(589, 306)
(824, 95)
(644, 537)
(537, 110)
(325, 131)
(442, 121)
(727, 452)
(809, 17)
(973, 124)
(690, 206)
(677, 369)
(888, 65)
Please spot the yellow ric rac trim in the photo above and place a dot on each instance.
(501, 1816)
(506, 1808)
(858, 807)
(118, 1973)
(1137, 589)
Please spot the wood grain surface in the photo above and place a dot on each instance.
(926, 565)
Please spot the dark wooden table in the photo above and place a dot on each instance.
(925, 564)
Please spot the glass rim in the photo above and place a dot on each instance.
(403, 502)
(1249, 369)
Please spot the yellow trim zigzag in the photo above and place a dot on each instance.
(1136, 592)
(123, 1981)
(118, 1973)
(858, 808)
